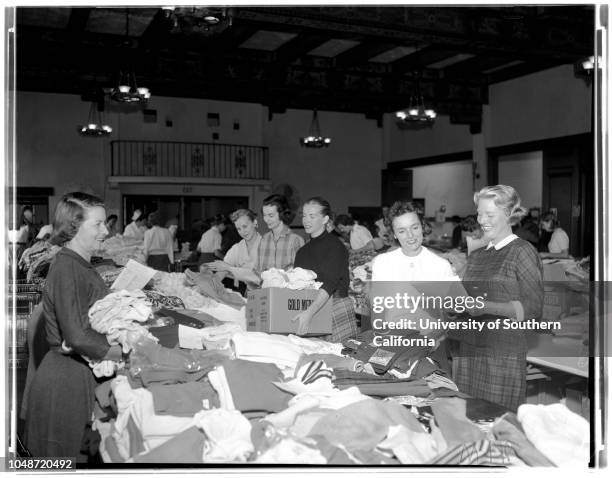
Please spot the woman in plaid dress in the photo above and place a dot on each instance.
(327, 256)
(491, 364)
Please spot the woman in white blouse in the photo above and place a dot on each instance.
(411, 261)
(558, 246)
(158, 245)
(241, 259)
(136, 228)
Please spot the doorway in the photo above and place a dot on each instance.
(192, 212)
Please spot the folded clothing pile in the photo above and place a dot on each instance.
(175, 284)
(266, 348)
(297, 279)
(151, 363)
(560, 434)
(37, 259)
(248, 387)
(121, 249)
(204, 406)
(209, 285)
(119, 316)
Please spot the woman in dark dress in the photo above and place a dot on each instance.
(491, 364)
(325, 255)
(61, 397)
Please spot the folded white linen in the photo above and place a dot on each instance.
(228, 435)
(560, 434)
(138, 404)
(266, 348)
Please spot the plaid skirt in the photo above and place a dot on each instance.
(344, 322)
(498, 378)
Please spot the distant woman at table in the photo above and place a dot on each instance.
(61, 396)
(558, 244)
(137, 227)
(325, 255)
(158, 245)
(209, 246)
(491, 364)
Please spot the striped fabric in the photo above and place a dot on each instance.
(481, 452)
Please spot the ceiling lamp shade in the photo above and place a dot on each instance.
(127, 91)
(416, 115)
(315, 139)
(95, 126)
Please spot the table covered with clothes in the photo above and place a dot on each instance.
(197, 388)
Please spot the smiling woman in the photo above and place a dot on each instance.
(412, 261)
(325, 255)
(491, 364)
(61, 397)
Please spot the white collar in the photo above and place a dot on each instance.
(504, 242)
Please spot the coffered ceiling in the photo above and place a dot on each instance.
(360, 59)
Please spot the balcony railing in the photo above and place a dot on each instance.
(193, 160)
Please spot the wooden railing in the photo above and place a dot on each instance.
(195, 160)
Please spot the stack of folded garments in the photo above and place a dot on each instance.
(249, 387)
(151, 363)
(174, 284)
(266, 348)
(209, 285)
(121, 249)
(205, 406)
(119, 316)
(297, 279)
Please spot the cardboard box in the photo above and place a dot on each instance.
(271, 310)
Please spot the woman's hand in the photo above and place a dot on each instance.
(304, 319)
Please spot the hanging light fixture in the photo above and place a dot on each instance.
(314, 138)
(127, 90)
(416, 114)
(95, 125)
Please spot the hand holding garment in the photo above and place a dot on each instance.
(504, 430)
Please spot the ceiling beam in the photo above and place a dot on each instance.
(299, 46)
(419, 60)
(362, 53)
(476, 28)
(77, 21)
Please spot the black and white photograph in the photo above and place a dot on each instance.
(306, 238)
